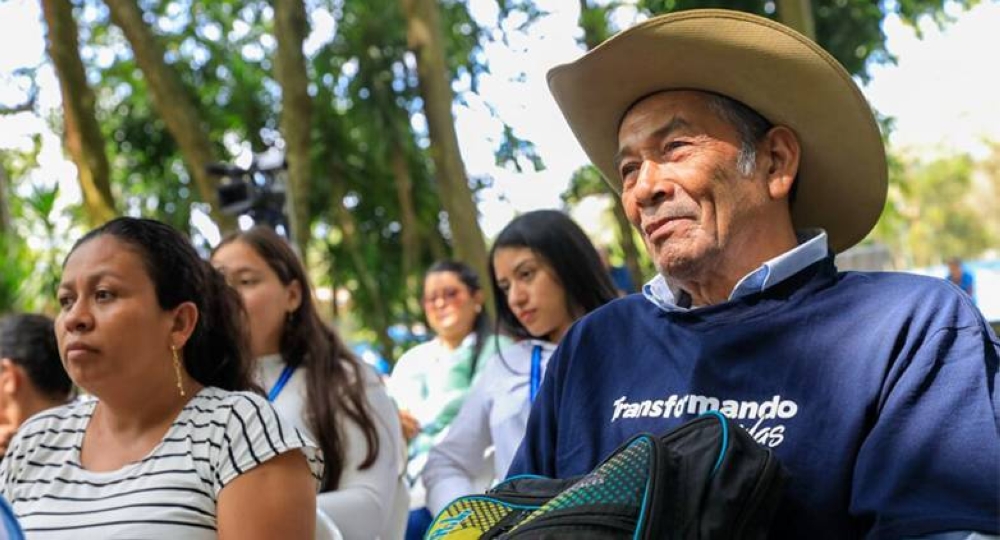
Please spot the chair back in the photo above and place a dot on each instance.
(326, 529)
(10, 529)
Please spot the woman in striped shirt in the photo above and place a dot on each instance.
(173, 446)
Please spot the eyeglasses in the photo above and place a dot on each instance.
(448, 295)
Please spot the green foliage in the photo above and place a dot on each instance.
(513, 150)
(850, 30)
(13, 271)
(30, 272)
(586, 181)
(17, 259)
(363, 105)
(932, 212)
(366, 95)
(220, 50)
(367, 122)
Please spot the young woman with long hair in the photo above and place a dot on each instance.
(313, 379)
(545, 275)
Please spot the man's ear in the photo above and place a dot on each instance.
(783, 152)
(185, 317)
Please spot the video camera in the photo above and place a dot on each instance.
(258, 191)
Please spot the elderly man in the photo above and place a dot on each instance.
(745, 155)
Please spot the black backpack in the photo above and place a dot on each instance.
(705, 479)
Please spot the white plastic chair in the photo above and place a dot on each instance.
(326, 529)
(10, 529)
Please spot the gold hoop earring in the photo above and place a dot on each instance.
(177, 370)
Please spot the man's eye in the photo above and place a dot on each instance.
(674, 145)
(628, 169)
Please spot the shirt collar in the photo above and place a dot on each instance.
(813, 247)
(468, 341)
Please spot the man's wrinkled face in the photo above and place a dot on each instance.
(681, 186)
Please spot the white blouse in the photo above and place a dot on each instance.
(494, 416)
(370, 503)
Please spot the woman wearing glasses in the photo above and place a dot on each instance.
(430, 381)
(545, 275)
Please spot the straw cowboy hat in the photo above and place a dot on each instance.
(774, 70)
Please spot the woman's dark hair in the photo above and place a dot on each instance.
(335, 384)
(217, 353)
(29, 341)
(563, 245)
(469, 278)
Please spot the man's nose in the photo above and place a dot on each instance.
(652, 185)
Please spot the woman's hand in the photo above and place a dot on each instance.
(409, 423)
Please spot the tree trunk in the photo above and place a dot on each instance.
(176, 106)
(627, 241)
(5, 221)
(594, 22)
(81, 133)
(409, 228)
(348, 228)
(436, 244)
(334, 277)
(290, 30)
(425, 38)
(798, 14)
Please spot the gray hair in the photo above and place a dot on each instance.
(749, 124)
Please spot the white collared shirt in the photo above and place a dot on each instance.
(813, 246)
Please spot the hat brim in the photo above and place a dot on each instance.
(774, 70)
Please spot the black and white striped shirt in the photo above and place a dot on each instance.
(171, 493)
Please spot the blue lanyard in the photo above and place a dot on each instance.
(280, 384)
(536, 370)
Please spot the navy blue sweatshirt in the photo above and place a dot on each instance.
(877, 391)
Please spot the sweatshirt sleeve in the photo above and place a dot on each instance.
(932, 460)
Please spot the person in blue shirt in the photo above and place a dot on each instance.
(746, 156)
(620, 276)
(961, 277)
(545, 274)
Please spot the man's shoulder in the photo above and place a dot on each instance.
(925, 301)
(898, 284)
